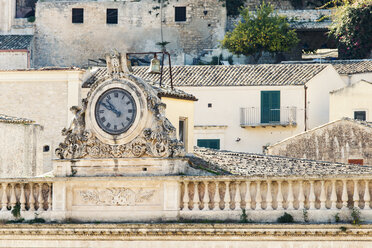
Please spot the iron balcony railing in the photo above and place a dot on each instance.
(254, 116)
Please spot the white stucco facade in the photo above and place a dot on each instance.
(222, 120)
(350, 99)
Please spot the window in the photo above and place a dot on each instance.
(181, 130)
(270, 106)
(209, 105)
(209, 143)
(46, 148)
(112, 16)
(77, 15)
(360, 115)
(180, 14)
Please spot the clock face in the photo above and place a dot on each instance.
(115, 111)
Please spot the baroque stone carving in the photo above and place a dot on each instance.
(116, 196)
(156, 140)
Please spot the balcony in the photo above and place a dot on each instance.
(256, 117)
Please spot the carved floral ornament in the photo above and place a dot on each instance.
(151, 136)
(120, 196)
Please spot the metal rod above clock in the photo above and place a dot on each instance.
(155, 60)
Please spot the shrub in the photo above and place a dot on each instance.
(285, 218)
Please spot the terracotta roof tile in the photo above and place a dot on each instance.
(14, 42)
(232, 75)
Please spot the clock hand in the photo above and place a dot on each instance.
(113, 109)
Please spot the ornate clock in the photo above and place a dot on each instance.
(115, 111)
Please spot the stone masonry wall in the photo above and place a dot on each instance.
(60, 42)
(21, 150)
(335, 142)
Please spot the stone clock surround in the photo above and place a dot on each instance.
(141, 120)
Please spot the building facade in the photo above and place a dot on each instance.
(248, 107)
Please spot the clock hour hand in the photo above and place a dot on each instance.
(112, 108)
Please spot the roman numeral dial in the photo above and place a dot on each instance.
(115, 111)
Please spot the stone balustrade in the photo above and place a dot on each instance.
(30, 196)
(322, 198)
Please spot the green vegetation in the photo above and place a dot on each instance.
(352, 28)
(16, 211)
(337, 217)
(305, 215)
(260, 31)
(244, 217)
(285, 218)
(355, 216)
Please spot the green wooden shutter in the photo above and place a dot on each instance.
(209, 143)
(270, 106)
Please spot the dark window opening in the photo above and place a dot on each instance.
(209, 105)
(209, 143)
(112, 16)
(360, 115)
(46, 148)
(180, 14)
(77, 15)
(25, 9)
(181, 130)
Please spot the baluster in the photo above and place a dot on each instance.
(367, 196)
(333, 195)
(186, 198)
(196, 198)
(227, 198)
(301, 196)
(22, 198)
(344, 196)
(258, 196)
(269, 197)
(13, 199)
(322, 196)
(290, 198)
(40, 198)
(247, 198)
(4, 199)
(312, 196)
(216, 198)
(32, 198)
(356, 194)
(206, 197)
(279, 197)
(50, 200)
(238, 198)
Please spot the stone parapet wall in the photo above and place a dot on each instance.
(176, 198)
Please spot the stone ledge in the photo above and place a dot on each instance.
(187, 230)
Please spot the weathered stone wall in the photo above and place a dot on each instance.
(42, 96)
(336, 142)
(13, 60)
(21, 150)
(60, 42)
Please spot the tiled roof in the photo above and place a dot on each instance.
(232, 75)
(11, 119)
(342, 66)
(249, 164)
(164, 91)
(14, 42)
(352, 66)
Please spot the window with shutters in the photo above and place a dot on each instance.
(270, 106)
(180, 14)
(209, 143)
(112, 16)
(77, 15)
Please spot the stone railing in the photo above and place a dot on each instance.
(30, 196)
(300, 197)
